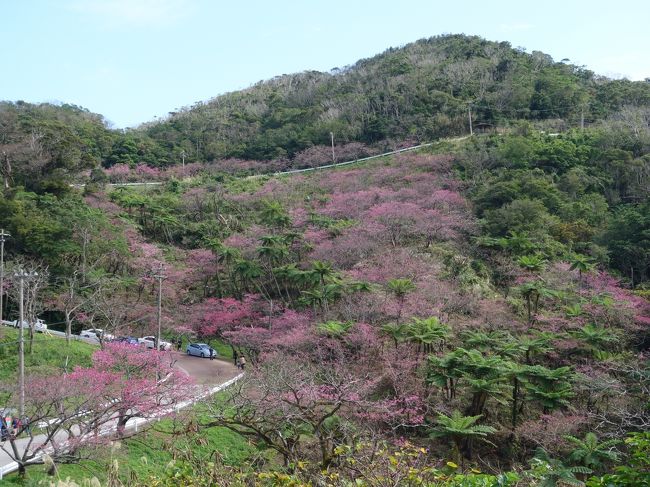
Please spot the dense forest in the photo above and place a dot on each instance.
(421, 91)
(472, 313)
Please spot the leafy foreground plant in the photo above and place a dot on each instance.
(377, 464)
(458, 428)
(553, 472)
(592, 453)
(636, 472)
(363, 465)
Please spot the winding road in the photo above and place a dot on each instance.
(211, 375)
(298, 171)
(205, 371)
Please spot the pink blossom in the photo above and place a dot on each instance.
(147, 172)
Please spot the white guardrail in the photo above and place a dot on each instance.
(354, 161)
(292, 171)
(135, 423)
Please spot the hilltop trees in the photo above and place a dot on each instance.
(39, 144)
(420, 91)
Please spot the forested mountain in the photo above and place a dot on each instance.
(592, 183)
(421, 91)
(44, 145)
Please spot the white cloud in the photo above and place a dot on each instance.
(117, 13)
(515, 26)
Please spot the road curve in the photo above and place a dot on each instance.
(205, 371)
(210, 375)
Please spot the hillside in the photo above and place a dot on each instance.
(375, 292)
(44, 147)
(480, 305)
(418, 92)
(421, 91)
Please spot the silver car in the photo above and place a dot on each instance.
(150, 342)
(95, 334)
(201, 350)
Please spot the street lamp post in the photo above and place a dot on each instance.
(160, 276)
(3, 238)
(21, 276)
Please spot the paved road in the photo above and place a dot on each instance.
(205, 371)
(297, 171)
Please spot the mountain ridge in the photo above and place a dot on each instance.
(419, 92)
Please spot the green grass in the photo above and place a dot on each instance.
(50, 354)
(149, 453)
(223, 349)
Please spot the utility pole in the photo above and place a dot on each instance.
(3, 237)
(333, 157)
(6, 170)
(582, 118)
(183, 156)
(160, 276)
(469, 113)
(21, 276)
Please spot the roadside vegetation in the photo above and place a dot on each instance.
(149, 455)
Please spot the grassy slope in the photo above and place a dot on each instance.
(50, 354)
(150, 453)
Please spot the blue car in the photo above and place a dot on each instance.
(201, 350)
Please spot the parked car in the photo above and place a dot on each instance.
(96, 334)
(129, 340)
(201, 350)
(39, 325)
(150, 342)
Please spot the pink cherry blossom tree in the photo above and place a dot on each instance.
(279, 400)
(64, 416)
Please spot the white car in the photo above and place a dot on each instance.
(150, 342)
(39, 325)
(96, 334)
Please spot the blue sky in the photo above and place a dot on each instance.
(133, 60)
